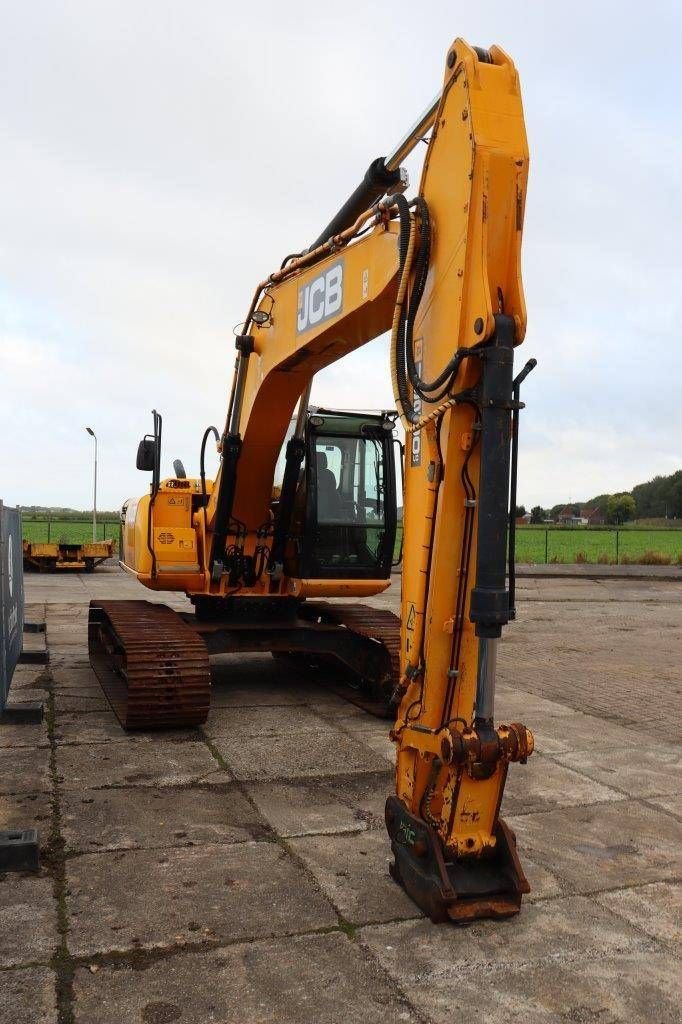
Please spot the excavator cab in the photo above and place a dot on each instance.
(345, 517)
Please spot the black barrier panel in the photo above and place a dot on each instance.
(11, 596)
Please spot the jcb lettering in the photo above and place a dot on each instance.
(416, 446)
(321, 298)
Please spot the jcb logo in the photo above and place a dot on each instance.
(321, 298)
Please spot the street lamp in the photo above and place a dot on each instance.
(92, 434)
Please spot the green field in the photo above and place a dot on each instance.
(69, 531)
(538, 545)
(593, 545)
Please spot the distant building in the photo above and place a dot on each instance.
(568, 517)
(523, 520)
(584, 517)
(594, 516)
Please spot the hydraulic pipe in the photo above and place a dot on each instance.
(416, 132)
(302, 412)
(295, 454)
(376, 183)
(382, 175)
(530, 365)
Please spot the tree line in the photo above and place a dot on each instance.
(660, 498)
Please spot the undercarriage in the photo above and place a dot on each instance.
(153, 663)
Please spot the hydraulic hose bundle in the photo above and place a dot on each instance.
(404, 370)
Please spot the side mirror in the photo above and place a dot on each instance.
(146, 454)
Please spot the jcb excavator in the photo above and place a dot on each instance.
(441, 272)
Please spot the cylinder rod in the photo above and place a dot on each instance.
(416, 132)
(485, 683)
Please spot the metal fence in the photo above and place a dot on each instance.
(590, 544)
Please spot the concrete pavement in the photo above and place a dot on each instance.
(238, 873)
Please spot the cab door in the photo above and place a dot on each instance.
(350, 501)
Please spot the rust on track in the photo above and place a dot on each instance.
(153, 668)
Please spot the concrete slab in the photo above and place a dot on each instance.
(75, 679)
(28, 810)
(26, 695)
(104, 727)
(25, 770)
(352, 719)
(27, 996)
(324, 806)
(233, 696)
(352, 871)
(328, 704)
(656, 909)
(561, 734)
(189, 895)
(28, 919)
(136, 761)
(295, 809)
(544, 884)
(20, 734)
(514, 704)
(331, 752)
(380, 744)
(264, 721)
(29, 676)
(558, 961)
(604, 846)
(643, 770)
(321, 978)
(67, 633)
(73, 657)
(542, 784)
(77, 703)
(34, 649)
(150, 818)
(365, 794)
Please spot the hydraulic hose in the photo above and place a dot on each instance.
(202, 471)
(403, 365)
(406, 243)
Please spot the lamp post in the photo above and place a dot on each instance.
(92, 434)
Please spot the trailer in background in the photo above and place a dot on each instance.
(63, 555)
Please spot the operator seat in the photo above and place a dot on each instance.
(328, 498)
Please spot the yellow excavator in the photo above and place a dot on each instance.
(441, 272)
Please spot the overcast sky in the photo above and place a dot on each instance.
(160, 158)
